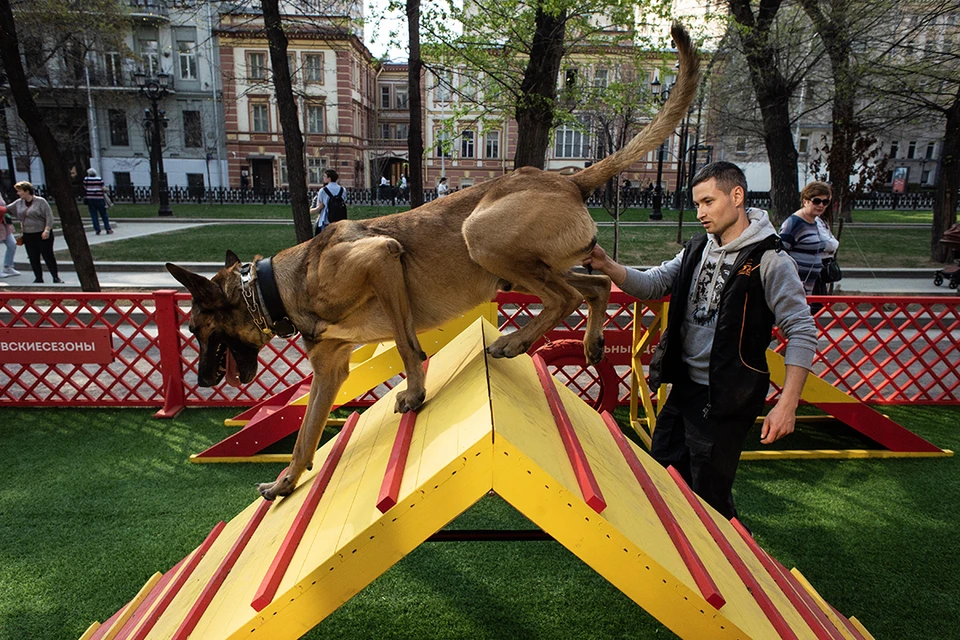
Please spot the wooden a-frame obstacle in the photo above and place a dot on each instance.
(389, 482)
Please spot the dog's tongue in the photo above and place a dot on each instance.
(232, 375)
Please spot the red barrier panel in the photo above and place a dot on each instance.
(881, 350)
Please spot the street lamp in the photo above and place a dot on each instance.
(155, 89)
(661, 94)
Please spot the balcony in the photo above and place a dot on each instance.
(151, 11)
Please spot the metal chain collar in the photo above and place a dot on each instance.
(248, 289)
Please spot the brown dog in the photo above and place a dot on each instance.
(388, 278)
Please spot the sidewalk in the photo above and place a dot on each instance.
(153, 275)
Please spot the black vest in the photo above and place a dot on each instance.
(739, 378)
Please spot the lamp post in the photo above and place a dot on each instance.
(155, 89)
(661, 94)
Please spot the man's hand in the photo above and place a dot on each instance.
(780, 422)
(598, 260)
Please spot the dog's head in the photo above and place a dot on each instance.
(229, 339)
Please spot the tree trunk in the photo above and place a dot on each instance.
(538, 90)
(289, 122)
(9, 193)
(415, 132)
(948, 182)
(54, 163)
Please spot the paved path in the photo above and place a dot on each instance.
(149, 276)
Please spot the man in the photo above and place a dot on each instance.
(728, 288)
(321, 205)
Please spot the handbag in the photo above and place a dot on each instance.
(107, 202)
(830, 271)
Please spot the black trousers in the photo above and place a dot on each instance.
(37, 246)
(706, 451)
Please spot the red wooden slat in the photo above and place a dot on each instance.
(749, 580)
(271, 581)
(220, 575)
(571, 443)
(708, 588)
(801, 600)
(390, 488)
(105, 627)
(144, 607)
(846, 623)
(175, 587)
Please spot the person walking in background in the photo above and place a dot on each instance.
(96, 201)
(36, 224)
(442, 188)
(326, 212)
(806, 238)
(9, 238)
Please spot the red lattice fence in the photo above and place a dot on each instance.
(882, 350)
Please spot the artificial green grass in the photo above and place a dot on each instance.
(860, 247)
(94, 501)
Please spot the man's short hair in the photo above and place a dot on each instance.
(333, 175)
(727, 175)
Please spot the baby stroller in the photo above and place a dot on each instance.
(951, 241)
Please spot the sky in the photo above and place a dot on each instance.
(377, 36)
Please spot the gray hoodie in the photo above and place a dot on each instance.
(781, 284)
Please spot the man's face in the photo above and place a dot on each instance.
(326, 179)
(717, 211)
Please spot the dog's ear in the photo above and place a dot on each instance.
(231, 259)
(205, 293)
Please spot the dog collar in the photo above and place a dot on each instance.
(264, 286)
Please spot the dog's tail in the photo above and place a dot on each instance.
(662, 125)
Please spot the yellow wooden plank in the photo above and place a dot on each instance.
(814, 390)
(824, 606)
(260, 457)
(862, 629)
(841, 454)
(92, 629)
(132, 606)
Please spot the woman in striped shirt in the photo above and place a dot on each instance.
(806, 238)
(96, 202)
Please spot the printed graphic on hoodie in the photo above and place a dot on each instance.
(706, 293)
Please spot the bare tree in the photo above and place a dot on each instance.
(415, 133)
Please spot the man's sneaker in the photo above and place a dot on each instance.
(57, 280)
(10, 271)
(4, 274)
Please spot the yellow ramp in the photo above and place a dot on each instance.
(278, 569)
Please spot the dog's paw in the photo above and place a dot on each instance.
(273, 490)
(409, 400)
(506, 347)
(593, 352)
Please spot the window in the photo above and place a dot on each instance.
(444, 86)
(150, 52)
(292, 67)
(600, 78)
(284, 173)
(492, 139)
(119, 136)
(894, 149)
(384, 131)
(192, 129)
(401, 93)
(113, 66)
(187, 60)
(313, 68)
(257, 66)
(315, 169)
(466, 144)
(491, 88)
(443, 144)
(384, 96)
(741, 144)
(315, 118)
(925, 176)
(930, 149)
(403, 130)
(572, 142)
(570, 78)
(466, 182)
(468, 88)
(804, 144)
(912, 150)
(260, 118)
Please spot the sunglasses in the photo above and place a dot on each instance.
(819, 201)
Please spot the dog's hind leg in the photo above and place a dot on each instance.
(596, 291)
(331, 366)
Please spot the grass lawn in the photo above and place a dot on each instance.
(282, 212)
(94, 501)
(638, 245)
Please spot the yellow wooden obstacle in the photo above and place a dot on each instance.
(386, 484)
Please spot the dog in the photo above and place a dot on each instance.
(388, 278)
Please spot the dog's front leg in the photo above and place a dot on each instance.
(331, 366)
